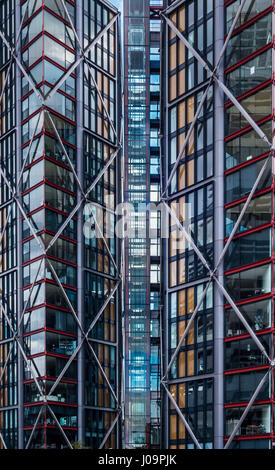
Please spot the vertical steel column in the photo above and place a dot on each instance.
(219, 229)
(118, 199)
(18, 117)
(165, 223)
(80, 239)
(147, 218)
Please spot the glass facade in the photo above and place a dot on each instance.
(59, 127)
(8, 247)
(155, 223)
(248, 264)
(142, 248)
(80, 364)
(191, 187)
(219, 358)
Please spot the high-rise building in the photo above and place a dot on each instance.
(60, 269)
(159, 335)
(142, 243)
(155, 224)
(184, 83)
(249, 262)
(218, 187)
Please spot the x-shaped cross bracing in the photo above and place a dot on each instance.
(84, 197)
(214, 78)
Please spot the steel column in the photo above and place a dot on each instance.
(80, 235)
(218, 229)
(18, 82)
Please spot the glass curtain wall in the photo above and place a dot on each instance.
(8, 245)
(137, 248)
(66, 275)
(48, 48)
(155, 222)
(100, 275)
(249, 264)
(191, 376)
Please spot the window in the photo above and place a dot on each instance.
(250, 9)
(248, 249)
(240, 388)
(240, 183)
(257, 314)
(258, 105)
(257, 421)
(257, 213)
(244, 353)
(249, 39)
(246, 146)
(249, 283)
(154, 82)
(251, 74)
